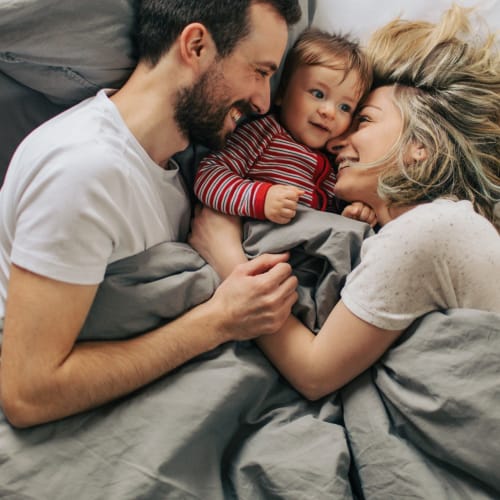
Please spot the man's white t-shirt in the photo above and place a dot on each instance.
(436, 256)
(80, 193)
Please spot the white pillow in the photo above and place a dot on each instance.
(362, 17)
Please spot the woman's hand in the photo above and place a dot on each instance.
(217, 238)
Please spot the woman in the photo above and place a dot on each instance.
(425, 155)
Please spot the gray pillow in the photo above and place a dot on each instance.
(66, 49)
(21, 110)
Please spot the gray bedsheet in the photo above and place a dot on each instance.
(422, 423)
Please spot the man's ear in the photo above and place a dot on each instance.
(418, 152)
(197, 47)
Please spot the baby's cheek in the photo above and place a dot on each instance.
(342, 124)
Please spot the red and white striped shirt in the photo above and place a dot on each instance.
(259, 154)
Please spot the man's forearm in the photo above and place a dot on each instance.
(45, 375)
(97, 372)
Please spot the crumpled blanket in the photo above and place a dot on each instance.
(421, 423)
(136, 293)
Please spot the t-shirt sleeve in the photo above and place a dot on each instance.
(403, 274)
(68, 218)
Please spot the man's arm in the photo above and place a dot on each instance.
(45, 375)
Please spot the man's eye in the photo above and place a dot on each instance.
(346, 108)
(263, 73)
(317, 93)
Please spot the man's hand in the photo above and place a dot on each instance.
(257, 297)
(281, 203)
(359, 211)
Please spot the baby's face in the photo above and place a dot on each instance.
(318, 104)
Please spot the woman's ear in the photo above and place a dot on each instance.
(197, 48)
(418, 152)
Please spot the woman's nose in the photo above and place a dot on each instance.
(336, 144)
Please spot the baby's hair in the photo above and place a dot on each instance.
(447, 86)
(315, 47)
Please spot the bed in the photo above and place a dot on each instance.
(422, 423)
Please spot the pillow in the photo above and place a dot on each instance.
(21, 109)
(66, 49)
(362, 17)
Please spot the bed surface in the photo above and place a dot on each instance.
(419, 424)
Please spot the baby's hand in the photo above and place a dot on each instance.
(359, 211)
(281, 203)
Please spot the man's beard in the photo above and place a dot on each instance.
(201, 110)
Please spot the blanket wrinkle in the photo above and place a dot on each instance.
(434, 424)
(226, 425)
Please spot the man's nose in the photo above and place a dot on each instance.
(261, 99)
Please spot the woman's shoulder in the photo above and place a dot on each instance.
(434, 228)
(442, 217)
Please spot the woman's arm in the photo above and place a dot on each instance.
(319, 364)
(314, 364)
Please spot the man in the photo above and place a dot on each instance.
(97, 184)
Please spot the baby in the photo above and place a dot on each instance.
(272, 163)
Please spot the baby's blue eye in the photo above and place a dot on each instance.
(346, 108)
(317, 93)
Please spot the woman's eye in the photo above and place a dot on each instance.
(317, 93)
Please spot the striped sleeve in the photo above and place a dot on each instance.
(221, 180)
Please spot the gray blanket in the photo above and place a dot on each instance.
(419, 424)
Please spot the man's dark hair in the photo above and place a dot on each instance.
(160, 22)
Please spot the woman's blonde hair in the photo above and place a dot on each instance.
(447, 86)
(315, 47)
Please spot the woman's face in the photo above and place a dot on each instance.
(376, 129)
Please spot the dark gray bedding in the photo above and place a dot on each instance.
(422, 423)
